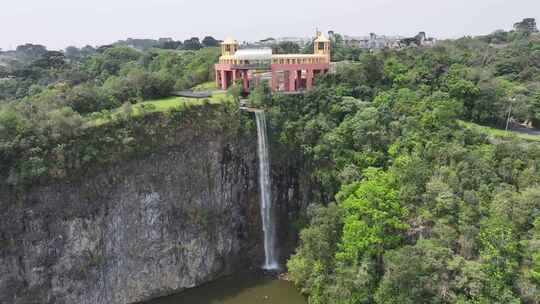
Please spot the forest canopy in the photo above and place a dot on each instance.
(409, 204)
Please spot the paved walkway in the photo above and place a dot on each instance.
(197, 94)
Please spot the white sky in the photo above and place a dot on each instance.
(60, 23)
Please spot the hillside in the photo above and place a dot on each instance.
(412, 205)
(392, 178)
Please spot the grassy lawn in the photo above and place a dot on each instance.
(494, 132)
(165, 104)
(207, 86)
(158, 105)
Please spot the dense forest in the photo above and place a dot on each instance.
(410, 204)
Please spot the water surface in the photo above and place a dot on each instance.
(239, 289)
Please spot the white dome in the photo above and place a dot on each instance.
(253, 54)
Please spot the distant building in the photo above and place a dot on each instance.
(268, 42)
(298, 40)
(420, 39)
(527, 25)
(373, 41)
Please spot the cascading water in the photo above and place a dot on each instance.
(267, 212)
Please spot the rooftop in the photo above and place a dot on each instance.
(229, 40)
(322, 38)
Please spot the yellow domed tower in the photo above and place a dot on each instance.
(225, 73)
(321, 46)
(229, 47)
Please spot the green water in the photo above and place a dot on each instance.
(238, 289)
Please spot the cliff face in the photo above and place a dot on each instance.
(151, 225)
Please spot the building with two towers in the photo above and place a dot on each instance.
(284, 72)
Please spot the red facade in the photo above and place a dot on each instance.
(284, 77)
(289, 73)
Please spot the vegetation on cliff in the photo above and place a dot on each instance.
(411, 204)
(63, 114)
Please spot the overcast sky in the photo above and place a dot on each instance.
(60, 23)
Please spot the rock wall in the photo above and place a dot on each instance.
(292, 192)
(144, 227)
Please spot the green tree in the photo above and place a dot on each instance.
(313, 263)
(416, 274)
(373, 216)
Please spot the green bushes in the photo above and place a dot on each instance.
(37, 157)
(106, 80)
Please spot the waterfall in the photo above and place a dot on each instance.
(267, 212)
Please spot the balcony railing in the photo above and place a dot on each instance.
(253, 66)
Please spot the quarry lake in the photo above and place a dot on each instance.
(238, 289)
